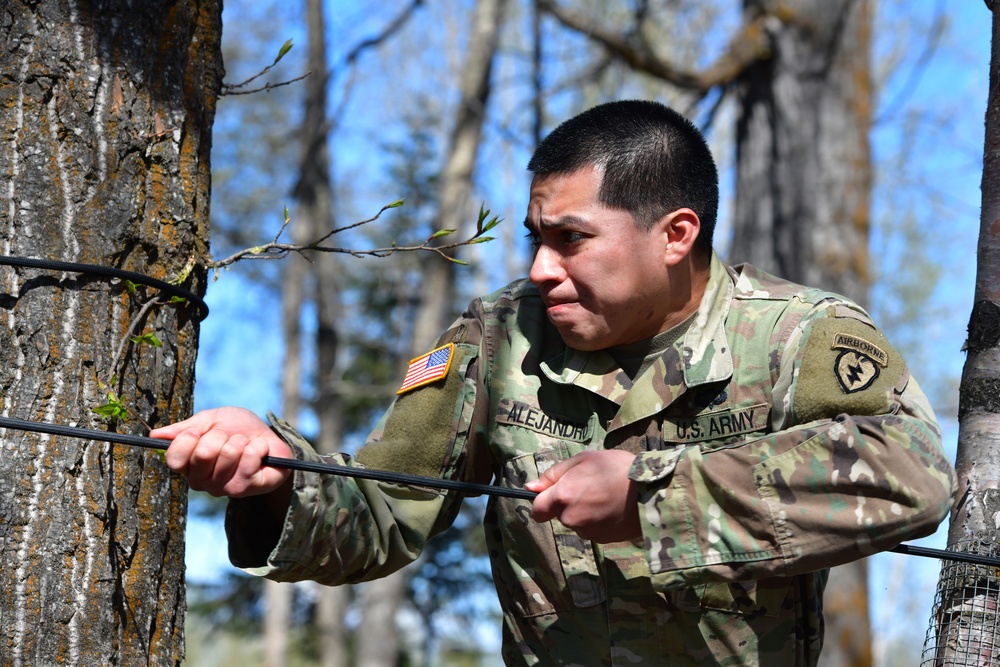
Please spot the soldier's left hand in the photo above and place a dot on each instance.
(591, 494)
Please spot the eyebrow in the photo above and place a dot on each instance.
(559, 223)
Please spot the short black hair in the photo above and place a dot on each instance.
(655, 161)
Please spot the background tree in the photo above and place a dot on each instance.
(315, 194)
(106, 112)
(435, 298)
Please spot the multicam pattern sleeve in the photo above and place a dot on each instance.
(853, 463)
(344, 530)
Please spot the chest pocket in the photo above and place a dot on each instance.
(551, 568)
(764, 597)
(576, 555)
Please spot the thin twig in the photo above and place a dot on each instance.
(146, 307)
(228, 87)
(277, 250)
(265, 88)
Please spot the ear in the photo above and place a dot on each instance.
(679, 228)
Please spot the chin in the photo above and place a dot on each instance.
(582, 343)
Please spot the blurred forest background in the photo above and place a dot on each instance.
(440, 104)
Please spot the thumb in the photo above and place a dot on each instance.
(551, 475)
(170, 431)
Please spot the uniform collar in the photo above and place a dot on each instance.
(706, 351)
(700, 357)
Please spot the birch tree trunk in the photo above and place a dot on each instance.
(978, 464)
(968, 615)
(106, 112)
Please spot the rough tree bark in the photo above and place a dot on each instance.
(106, 111)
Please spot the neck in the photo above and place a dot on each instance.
(688, 280)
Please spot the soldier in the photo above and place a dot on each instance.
(706, 440)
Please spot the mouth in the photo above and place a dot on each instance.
(555, 302)
(559, 311)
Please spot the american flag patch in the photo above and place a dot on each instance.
(428, 367)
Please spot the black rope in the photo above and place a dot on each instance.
(400, 478)
(275, 461)
(95, 269)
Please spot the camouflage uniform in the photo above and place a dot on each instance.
(779, 436)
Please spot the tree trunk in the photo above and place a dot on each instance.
(978, 464)
(803, 182)
(106, 110)
(278, 595)
(803, 172)
(455, 203)
(967, 618)
(314, 192)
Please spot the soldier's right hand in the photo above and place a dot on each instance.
(220, 451)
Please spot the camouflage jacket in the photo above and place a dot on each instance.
(779, 436)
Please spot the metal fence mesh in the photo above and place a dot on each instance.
(964, 618)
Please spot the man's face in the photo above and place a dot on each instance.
(602, 279)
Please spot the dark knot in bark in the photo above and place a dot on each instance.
(984, 326)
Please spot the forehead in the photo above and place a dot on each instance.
(583, 183)
(566, 195)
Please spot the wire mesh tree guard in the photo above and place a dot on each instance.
(964, 618)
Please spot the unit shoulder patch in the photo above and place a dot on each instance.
(855, 371)
(847, 367)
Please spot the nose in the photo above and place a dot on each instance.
(546, 266)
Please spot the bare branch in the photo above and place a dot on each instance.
(394, 26)
(233, 88)
(278, 250)
(267, 87)
(749, 45)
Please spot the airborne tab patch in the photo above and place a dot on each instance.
(428, 368)
(857, 366)
(844, 341)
